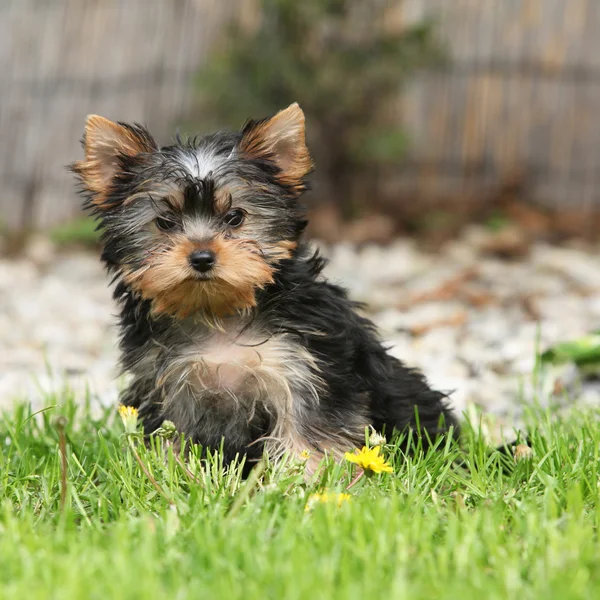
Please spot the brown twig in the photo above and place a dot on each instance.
(455, 320)
(448, 290)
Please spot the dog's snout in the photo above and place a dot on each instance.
(202, 260)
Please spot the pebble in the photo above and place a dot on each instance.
(470, 321)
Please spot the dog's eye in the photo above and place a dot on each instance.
(165, 223)
(234, 218)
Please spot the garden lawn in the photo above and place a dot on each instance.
(142, 523)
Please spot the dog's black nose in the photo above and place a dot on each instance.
(202, 260)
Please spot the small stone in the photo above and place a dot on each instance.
(40, 250)
(58, 317)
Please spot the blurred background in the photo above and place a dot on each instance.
(457, 188)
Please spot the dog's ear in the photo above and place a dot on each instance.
(281, 140)
(106, 145)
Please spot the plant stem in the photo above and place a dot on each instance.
(356, 479)
(61, 423)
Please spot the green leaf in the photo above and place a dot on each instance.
(583, 351)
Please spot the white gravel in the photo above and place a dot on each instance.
(471, 322)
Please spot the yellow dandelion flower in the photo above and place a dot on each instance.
(326, 498)
(304, 455)
(370, 460)
(129, 416)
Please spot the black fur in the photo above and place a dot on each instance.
(358, 372)
(360, 383)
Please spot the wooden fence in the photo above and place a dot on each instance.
(522, 95)
(522, 92)
(62, 59)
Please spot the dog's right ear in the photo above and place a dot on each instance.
(280, 140)
(106, 146)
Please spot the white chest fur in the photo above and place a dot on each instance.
(220, 379)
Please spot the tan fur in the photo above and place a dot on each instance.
(104, 141)
(282, 140)
(283, 249)
(169, 281)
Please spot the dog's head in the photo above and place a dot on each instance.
(199, 226)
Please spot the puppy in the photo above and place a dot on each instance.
(228, 327)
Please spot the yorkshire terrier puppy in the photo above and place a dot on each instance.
(228, 326)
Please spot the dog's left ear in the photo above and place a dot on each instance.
(280, 140)
(106, 144)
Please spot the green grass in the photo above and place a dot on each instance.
(429, 530)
